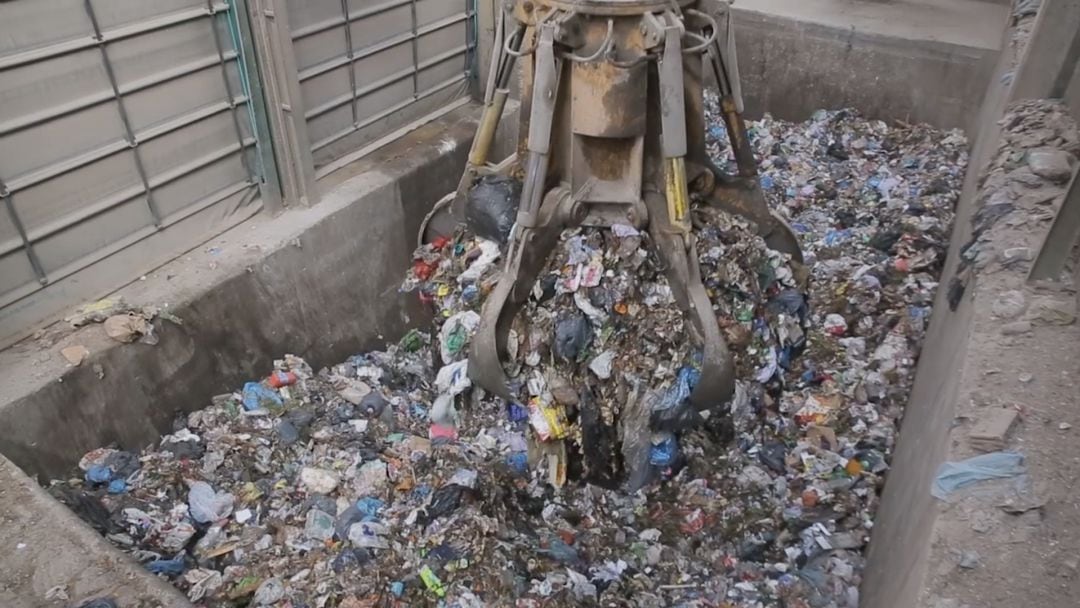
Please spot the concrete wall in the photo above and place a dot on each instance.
(900, 546)
(914, 61)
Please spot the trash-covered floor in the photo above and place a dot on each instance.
(388, 479)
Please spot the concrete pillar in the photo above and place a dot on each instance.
(269, 21)
(1050, 58)
(487, 11)
(1058, 245)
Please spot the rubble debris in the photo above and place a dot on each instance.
(1049, 310)
(1050, 163)
(75, 354)
(390, 478)
(122, 322)
(1016, 328)
(129, 327)
(1010, 304)
(97, 312)
(992, 428)
(969, 560)
(57, 593)
(1037, 151)
(1017, 254)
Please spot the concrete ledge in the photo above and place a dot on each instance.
(321, 282)
(915, 61)
(898, 558)
(1019, 558)
(46, 546)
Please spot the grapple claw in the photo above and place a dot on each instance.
(717, 381)
(612, 122)
(677, 251)
(743, 196)
(489, 341)
(527, 253)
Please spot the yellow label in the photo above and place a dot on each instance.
(677, 194)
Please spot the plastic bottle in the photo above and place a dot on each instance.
(279, 379)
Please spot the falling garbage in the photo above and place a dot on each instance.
(390, 477)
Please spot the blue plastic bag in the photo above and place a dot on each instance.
(673, 410)
(518, 462)
(663, 454)
(258, 396)
(168, 567)
(516, 412)
(952, 476)
(369, 507)
(99, 473)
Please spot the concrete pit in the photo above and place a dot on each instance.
(323, 282)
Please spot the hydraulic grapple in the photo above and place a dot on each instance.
(612, 132)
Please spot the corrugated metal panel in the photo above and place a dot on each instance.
(118, 120)
(367, 67)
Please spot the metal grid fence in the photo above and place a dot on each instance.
(133, 130)
(364, 64)
(128, 126)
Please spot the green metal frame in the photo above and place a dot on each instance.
(266, 166)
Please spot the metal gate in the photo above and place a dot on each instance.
(366, 67)
(122, 122)
(133, 130)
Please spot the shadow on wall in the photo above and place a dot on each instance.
(791, 68)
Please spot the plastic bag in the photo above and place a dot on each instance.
(489, 253)
(673, 411)
(453, 379)
(952, 476)
(455, 334)
(206, 505)
(664, 451)
(258, 396)
(572, 335)
(491, 207)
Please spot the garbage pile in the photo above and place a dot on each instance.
(389, 479)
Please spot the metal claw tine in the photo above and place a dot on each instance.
(717, 381)
(533, 237)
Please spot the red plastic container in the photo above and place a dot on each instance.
(279, 379)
